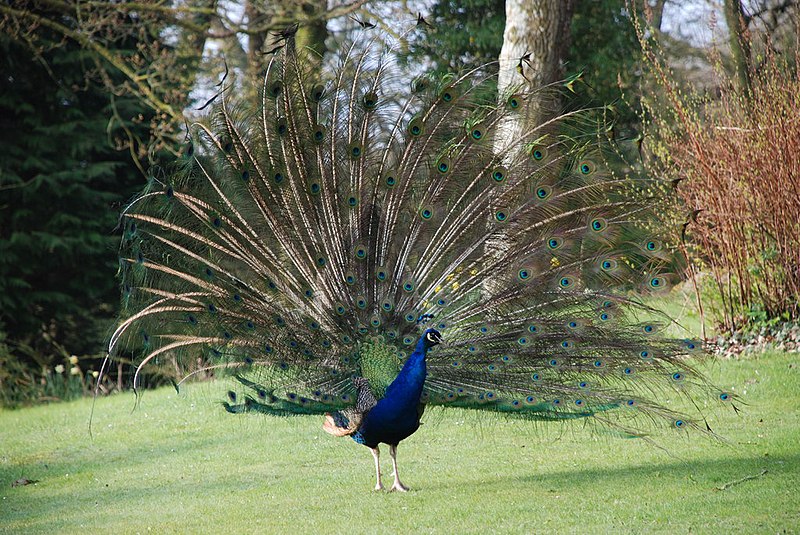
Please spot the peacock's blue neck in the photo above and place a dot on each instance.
(408, 384)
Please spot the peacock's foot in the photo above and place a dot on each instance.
(399, 487)
(378, 486)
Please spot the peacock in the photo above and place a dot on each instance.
(362, 244)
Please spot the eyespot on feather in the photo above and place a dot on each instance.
(370, 100)
(318, 133)
(543, 192)
(317, 92)
(608, 264)
(478, 132)
(651, 246)
(355, 150)
(498, 174)
(587, 167)
(416, 127)
(538, 152)
(449, 94)
(598, 224)
(420, 84)
(275, 88)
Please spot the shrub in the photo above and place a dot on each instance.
(737, 159)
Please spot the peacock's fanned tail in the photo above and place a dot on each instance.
(309, 239)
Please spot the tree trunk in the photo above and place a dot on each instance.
(535, 42)
(255, 39)
(539, 28)
(311, 33)
(538, 31)
(192, 43)
(740, 44)
(656, 10)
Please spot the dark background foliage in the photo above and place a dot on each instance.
(63, 181)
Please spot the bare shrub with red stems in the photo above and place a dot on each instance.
(737, 161)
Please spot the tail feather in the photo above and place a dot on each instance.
(307, 241)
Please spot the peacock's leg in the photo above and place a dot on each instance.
(376, 454)
(398, 485)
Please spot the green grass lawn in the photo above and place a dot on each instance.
(181, 464)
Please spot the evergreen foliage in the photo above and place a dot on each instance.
(62, 182)
(605, 49)
(463, 32)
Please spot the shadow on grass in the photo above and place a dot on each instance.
(147, 460)
(152, 484)
(713, 472)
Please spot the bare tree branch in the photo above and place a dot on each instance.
(137, 79)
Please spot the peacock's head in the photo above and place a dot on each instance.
(431, 338)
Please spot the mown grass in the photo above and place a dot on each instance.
(181, 464)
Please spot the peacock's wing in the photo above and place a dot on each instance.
(309, 239)
(348, 421)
